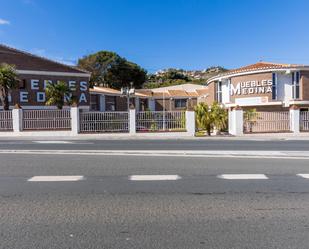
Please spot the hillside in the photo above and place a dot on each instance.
(171, 76)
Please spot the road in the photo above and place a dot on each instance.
(102, 205)
(160, 144)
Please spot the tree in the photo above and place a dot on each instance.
(210, 117)
(109, 69)
(203, 117)
(219, 116)
(56, 94)
(8, 81)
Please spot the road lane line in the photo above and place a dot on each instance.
(168, 153)
(306, 176)
(154, 177)
(243, 176)
(55, 178)
(53, 142)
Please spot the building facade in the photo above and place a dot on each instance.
(263, 86)
(173, 98)
(35, 73)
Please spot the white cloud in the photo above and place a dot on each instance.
(4, 22)
(38, 51)
(70, 62)
(42, 52)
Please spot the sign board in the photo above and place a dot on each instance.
(251, 101)
(251, 87)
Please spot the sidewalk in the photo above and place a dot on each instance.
(154, 136)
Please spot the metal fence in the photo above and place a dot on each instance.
(267, 122)
(304, 121)
(6, 121)
(46, 119)
(104, 121)
(161, 121)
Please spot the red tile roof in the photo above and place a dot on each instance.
(259, 66)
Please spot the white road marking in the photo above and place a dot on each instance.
(302, 155)
(243, 176)
(53, 142)
(154, 177)
(306, 176)
(55, 178)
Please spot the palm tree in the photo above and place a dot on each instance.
(250, 118)
(8, 81)
(219, 117)
(210, 117)
(203, 117)
(55, 94)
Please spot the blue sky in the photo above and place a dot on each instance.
(156, 34)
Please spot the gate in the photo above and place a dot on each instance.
(104, 121)
(6, 121)
(46, 119)
(161, 121)
(304, 121)
(267, 122)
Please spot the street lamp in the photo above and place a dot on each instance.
(128, 91)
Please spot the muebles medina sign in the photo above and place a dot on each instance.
(251, 87)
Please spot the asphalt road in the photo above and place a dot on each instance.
(162, 144)
(106, 209)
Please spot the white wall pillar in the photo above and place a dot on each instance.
(132, 121)
(294, 119)
(190, 123)
(102, 103)
(230, 121)
(75, 120)
(17, 115)
(237, 122)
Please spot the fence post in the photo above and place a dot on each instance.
(236, 122)
(17, 116)
(75, 120)
(190, 123)
(132, 121)
(294, 119)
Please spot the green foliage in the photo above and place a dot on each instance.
(109, 69)
(171, 77)
(250, 115)
(210, 117)
(56, 93)
(174, 74)
(150, 85)
(8, 81)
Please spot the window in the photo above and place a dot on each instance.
(219, 92)
(295, 85)
(110, 103)
(180, 103)
(274, 86)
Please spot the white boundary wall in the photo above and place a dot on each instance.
(17, 115)
(236, 121)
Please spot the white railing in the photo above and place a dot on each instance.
(6, 121)
(104, 121)
(46, 119)
(267, 122)
(304, 121)
(161, 121)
